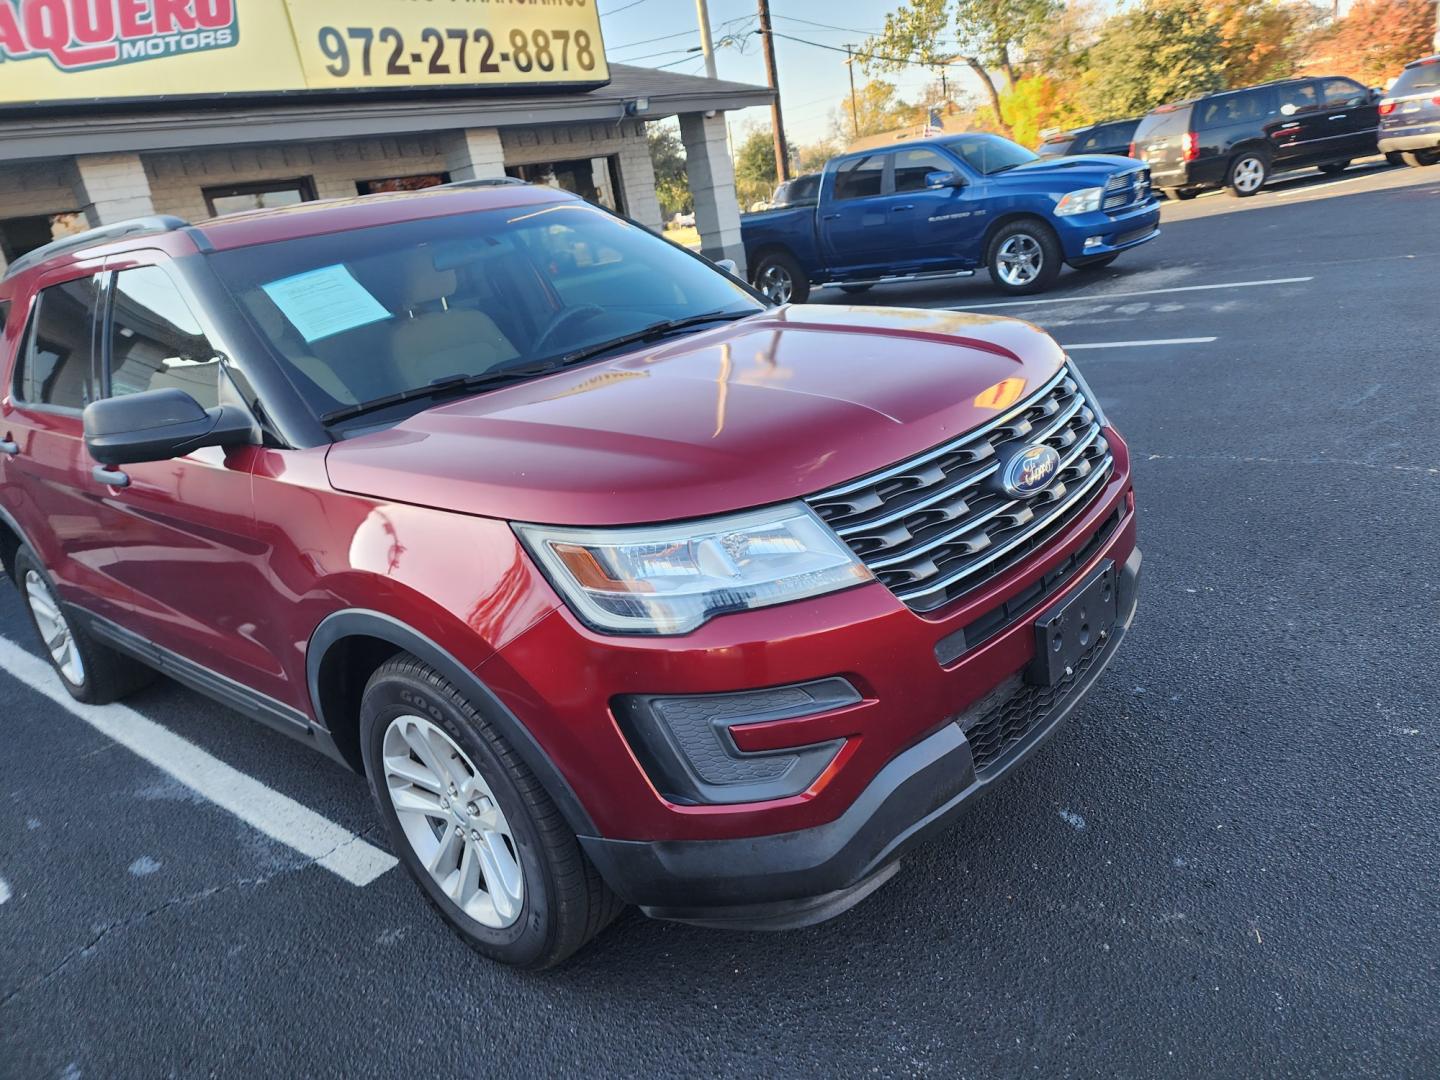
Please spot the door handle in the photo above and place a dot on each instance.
(9, 447)
(831, 217)
(1340, 117)
(110, 477)
(907, 206)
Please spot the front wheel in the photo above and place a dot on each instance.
(92, 673)
(1395, 157)
(1024, 257)
(473, 825)
(1248, 174)
(782, 279)
(1419, 158)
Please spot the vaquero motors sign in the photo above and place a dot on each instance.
(78, 34)
(90, 52)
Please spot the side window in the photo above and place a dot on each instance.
(1343, 94)
(155, 340)
(912, 166)
(1301, 96)
(1085, 143)
(860, 178)
(57, 367)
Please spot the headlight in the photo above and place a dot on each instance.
(1083, 201)
(669, 579)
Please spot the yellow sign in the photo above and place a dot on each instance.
(85, 50)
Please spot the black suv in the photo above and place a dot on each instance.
(1239, 138)
(1110, 137)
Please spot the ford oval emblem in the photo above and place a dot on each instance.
(1030, 471)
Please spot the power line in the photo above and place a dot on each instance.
(884, 59)
(651, 41)
(662, 52)
(826, 26)
(626, 7)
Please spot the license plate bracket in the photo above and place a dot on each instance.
(1070, 629)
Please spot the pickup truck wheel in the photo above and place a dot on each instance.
(473, 825)
(1248, 173)
(1024, 257)
(92, 673)
(782, 279)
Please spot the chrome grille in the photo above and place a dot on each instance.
(935, 526)
(1126, 189)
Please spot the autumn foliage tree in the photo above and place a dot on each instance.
(1375, 40)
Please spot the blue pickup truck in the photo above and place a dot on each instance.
(945, 207)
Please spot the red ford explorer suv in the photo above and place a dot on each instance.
(619, 584)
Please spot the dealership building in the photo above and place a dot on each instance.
(207, 131)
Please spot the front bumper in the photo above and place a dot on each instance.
(806, 876)
(1113, 232)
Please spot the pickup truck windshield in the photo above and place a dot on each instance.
(386, 314)
(990, 154)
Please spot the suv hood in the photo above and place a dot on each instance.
(776, 406)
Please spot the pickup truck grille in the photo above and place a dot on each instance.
(1126, 189)
(938, 525)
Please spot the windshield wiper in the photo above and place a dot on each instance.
(653, 332)
(450, 384)
(464, 384)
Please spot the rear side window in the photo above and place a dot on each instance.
(860, 178)
(1243, 108)
(57, 360)
(156, 341)
(1343, 94)
(1417, 80)
(1168, 120)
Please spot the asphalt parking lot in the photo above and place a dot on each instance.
(1225, 864)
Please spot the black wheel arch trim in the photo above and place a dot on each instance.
(8, 520)
(361, 622)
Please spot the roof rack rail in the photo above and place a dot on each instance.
(158, 223)
(484, 181)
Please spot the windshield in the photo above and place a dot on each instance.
(989, 154)
(1417, 80)
(365, 315)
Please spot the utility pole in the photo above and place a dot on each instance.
(702, 12)
(782, 152)
(854, 109)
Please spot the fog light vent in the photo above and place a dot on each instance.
(685, 744)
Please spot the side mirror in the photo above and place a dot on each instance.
(941, 179)
(730, 266)
(158, 425)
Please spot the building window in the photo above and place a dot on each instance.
(20, 235)
(594, 179)
(235, 198)
(401, 183)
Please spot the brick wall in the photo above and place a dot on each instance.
(32, 188)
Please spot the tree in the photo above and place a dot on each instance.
(755, 172)
(1038, 102)
(1260, 38)
(876, 110)
(672, 182)
(1161, 51)
(1375, 40)
(988, 35)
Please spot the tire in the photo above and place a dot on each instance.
(1024, 257)
(782, 279)
(1096, 264)
(856, 290)
(93, 673)
(1395, 157)
(1184, 194)
(534, 898)
(1418, 159)
(1334, 168)
(1247, 174)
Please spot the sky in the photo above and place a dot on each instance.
(813, 80)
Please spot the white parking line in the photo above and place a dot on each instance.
(1101, 296)
(4, 890)
(1137, 344)
(278, 816)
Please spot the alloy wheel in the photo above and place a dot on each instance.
(1020, 259)
(776, 283)
(1249, 174)
(54, 629)
(453, 822)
